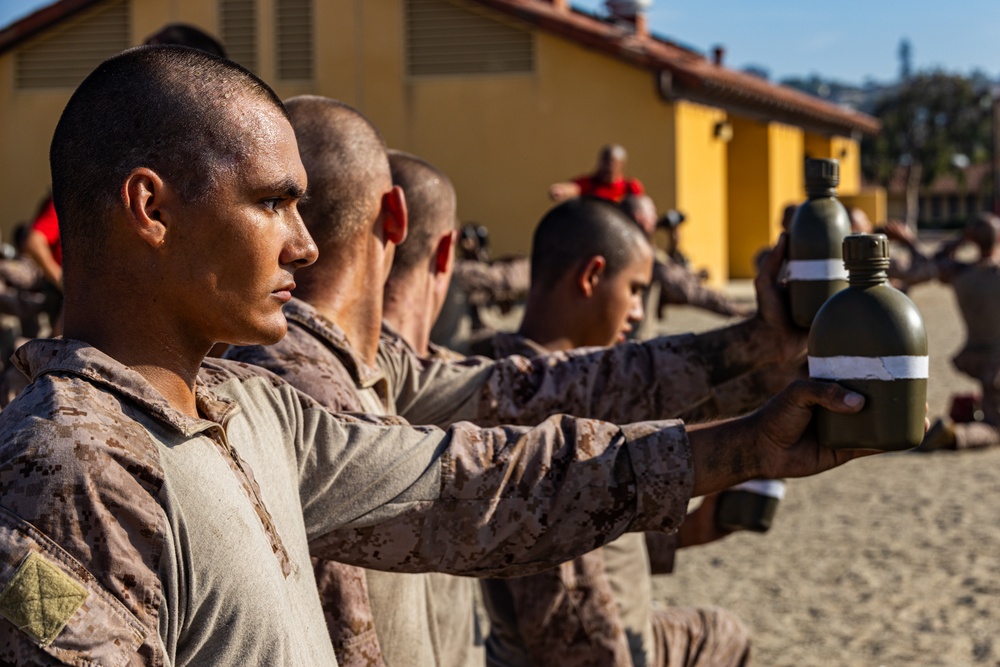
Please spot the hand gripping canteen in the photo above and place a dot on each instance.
(871, 339)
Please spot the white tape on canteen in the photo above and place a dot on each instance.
(772, 488)
(869, 368)
(816, 269)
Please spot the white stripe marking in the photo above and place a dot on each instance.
(816, 269)
(772, 488)
(869, 368)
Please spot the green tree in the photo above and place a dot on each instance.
(928, 121)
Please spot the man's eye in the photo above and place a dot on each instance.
(272, 203)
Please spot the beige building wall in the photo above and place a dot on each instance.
(505, 139)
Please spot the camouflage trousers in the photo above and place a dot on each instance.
(976, 435)
(700, 637)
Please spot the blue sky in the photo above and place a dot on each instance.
(849, 40)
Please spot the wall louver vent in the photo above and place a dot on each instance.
(295, 39)
(64, 55)
(238, 25)
(445, 38)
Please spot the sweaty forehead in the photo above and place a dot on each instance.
(268, 149)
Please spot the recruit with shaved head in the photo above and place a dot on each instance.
(161, 508)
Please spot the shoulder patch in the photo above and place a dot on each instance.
(40, 599)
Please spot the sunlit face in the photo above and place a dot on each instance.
(616, 303)
(234, 253)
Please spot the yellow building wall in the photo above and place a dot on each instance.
(748, 194)
(701, 186)
(786, 174)
(765, 174)
(844, 149)
(848, 151)
(872, 201)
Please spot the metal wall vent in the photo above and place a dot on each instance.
(238, 27)
(443, 38)
(63, 56)
(295, 39)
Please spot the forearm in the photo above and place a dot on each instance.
(514, 501)
(733, 351)
(37, 248)
(662, 549)
(723, 454)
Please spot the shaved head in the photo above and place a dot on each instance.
(611, 163)
(430, 201)
(613, 152)
(345, 160)
(641, 209)
(575, 231)
(170, 109)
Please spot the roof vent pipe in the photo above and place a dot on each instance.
(631, 11)
(718, 55)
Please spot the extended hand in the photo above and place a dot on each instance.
(786, 444)
(776, 441)
(773, 312)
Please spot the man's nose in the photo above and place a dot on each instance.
(300, 250)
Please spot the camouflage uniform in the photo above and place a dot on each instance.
(977, 290)
(350, 385)
(668, 374)
(597, 610)
(135, 535)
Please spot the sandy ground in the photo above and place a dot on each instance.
(891, 560)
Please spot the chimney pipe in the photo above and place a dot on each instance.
(631, 11)
(718, 53)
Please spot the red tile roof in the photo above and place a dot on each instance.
(683, 73)
(688, 75)
(970, 180)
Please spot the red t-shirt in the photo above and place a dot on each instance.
(615, 191)
(47, 225)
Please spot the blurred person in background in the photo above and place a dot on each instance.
(608, 181)
(977, 290)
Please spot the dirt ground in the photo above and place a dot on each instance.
(890, 560)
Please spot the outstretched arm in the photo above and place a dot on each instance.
(658, 379)
(507, 501)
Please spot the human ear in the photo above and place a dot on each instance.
(590, 274)
(144, 194)
(395, 218)
(444, 254)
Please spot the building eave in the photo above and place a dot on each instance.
(692, 75)
(40, 20)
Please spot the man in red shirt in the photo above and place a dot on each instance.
(43, 245)
(607, 182)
